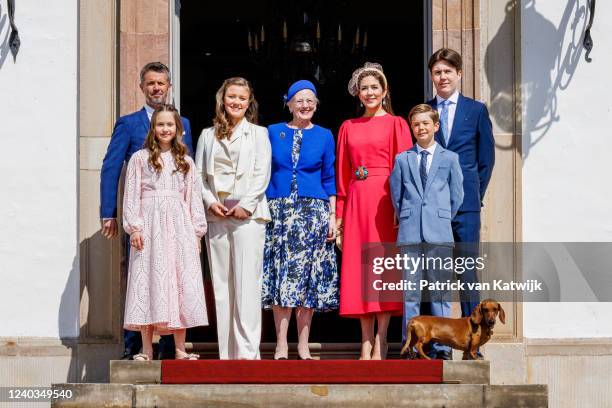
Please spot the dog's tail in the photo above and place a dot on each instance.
(408, 338)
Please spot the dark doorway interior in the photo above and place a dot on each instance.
(273, 43)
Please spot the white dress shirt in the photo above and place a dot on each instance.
(149, 111)
(452, 107)
(431, 149)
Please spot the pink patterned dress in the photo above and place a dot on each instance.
(165, 287)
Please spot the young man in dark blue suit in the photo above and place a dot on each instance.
(465, 128)
(128, 137)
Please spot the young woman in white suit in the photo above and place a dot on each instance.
(234, 158)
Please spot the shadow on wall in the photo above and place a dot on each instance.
(66, 318)
(553, 53)
(5, 31)
(90, 353)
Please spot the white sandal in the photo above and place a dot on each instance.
(188, 356)
(141, 357)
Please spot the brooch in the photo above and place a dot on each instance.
(361, 173)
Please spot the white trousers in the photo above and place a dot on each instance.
(235, 253)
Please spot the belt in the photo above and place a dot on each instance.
(161, 193)
(363, 172)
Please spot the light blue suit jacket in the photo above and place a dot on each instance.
(425, 216)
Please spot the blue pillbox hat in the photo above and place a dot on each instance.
(299, 86)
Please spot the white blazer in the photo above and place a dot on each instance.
(252, 170)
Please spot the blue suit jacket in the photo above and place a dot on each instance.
(128, 137)
(472, 139)
(425, 216)
(315, 173)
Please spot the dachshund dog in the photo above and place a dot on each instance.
(466, 334)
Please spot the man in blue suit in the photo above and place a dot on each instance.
(427, 190)
(128, 137)
(465, 128)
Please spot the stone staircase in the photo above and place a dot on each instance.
(465, 384)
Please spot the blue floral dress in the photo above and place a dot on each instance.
(299, 265)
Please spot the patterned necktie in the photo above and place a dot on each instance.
(423, 168)
(444, 121)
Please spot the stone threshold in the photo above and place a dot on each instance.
(271, 396)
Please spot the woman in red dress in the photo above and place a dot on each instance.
(366, 152)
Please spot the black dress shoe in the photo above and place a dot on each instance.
(444, 355)
(440, 355)
(128, 354)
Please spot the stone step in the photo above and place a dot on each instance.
(323, 351)
(149, 372)
(327, 351)
(271, 396)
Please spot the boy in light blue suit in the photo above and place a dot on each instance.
(427, 191)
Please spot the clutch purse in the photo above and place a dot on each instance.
(230, 203)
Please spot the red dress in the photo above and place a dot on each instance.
(365, 205)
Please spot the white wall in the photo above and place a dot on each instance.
(39, 178)
(567, 192)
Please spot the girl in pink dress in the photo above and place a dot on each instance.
(164, 215)
(366, 152)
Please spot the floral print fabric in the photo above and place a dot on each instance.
(299, 265)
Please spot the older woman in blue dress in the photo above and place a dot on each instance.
(299, 260)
